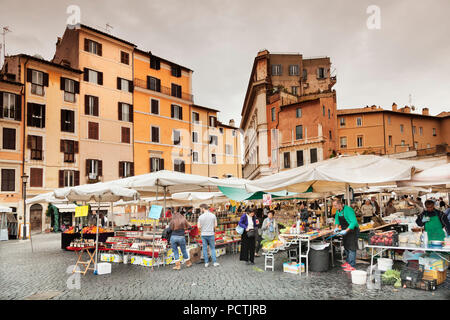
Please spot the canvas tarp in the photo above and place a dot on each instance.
(334, 174)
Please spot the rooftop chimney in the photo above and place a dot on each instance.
(58, 41)
(425, 112)
(263, 52)
(373, 107)
(407, 109)
(232, 122)
(394, 107)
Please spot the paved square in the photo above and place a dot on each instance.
(43, 274)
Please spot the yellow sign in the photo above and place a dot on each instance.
(81, 211)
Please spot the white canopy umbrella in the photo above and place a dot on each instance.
(439, 175)
(200, 197)
(99, 192)
(5, 209)
(48, 197)
(337, 174)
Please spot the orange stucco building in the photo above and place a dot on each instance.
(379, 131)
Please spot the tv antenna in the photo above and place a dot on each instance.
(108, 27)
(5, 31)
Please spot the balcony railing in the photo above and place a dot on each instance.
(164, 90)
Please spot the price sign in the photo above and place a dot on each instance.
(155, 212)
(267, 199)
(81, 211)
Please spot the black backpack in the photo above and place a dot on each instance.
(166, 234)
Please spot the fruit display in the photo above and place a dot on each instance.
(269, 245)
(388, 238)
(93, 230)
(366, 226)
(70, 230)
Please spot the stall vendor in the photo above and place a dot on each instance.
(434, 222)
(346, 219)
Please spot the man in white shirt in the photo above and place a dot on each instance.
(207, 222)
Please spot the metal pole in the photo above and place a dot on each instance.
(112, 214)
(96, 235)
(347, 194)
(153, 240)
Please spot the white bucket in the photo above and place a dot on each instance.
(385, 264)
(359, 277)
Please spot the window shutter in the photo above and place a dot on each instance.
(158, 84)
(18, 115)
(132, 168)
(120, 169)
(120, 110)
(161, 164)
(100, 167)
(151, 165)
(76, 178)
(63, 117)
(1, 104)
(100, 49)
(86, 74)
(43, 115)
(86, 104)
(72, 121)
(45, 79)
(324, 72)
(172, 111)
(181, 113)
(61, 179)
(96, 106)
(86, 44)
(88, 166)
(182, 166)
(62, 145)
(148, 82)
(30, 114)
(75, 147)
(130, 86)
(119, 84)
(39, 143)
(318, 73)
(29, 141)
(100, 78)
(29, 75)
(131, 113)
(77, 87)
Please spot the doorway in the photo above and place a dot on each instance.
(36, 218)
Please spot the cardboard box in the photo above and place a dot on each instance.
(106, 257)
(430, 263)
(293, 267)
(136, 260)
(439, 276)
(195, 254)
(149, 262)
(116, 258)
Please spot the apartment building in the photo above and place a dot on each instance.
(279, 84)
(106, 117)
(11, 131)
(47, 139)
(162, 95)
(215, 146)
(374, 130)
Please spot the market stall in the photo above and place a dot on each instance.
(4, 211)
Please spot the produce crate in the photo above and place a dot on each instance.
(428, 285)
(389, 238)
(438, 276)
(410, 275)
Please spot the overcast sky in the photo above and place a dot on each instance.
(218, 39)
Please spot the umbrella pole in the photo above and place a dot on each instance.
(347, 194)
(96, 237)
(112, 214)
(153, 238)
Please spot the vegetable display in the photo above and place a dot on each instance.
(392, 277)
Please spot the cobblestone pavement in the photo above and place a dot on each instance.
(43, 273)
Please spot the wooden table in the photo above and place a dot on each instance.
(86, 263)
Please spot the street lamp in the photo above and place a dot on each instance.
(24, 181)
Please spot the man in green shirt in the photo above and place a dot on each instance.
(346, 219)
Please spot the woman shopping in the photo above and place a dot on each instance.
(248, 223)
(270, 227)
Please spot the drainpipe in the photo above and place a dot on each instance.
(384, 135)
(412, 133)
(23, 132)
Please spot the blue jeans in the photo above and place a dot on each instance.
(176, 241)
(211, 241)
(351, 257)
